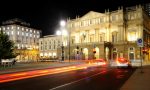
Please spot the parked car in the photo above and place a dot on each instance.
(101, 62)
(122, 62)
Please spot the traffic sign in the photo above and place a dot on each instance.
(140, 42)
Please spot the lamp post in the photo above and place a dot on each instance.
(62, 32)
(69, 43)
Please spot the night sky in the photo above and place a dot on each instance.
(46, 14)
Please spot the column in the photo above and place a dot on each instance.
(107, 34)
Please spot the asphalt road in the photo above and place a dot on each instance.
(94, 78)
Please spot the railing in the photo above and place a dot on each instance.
(8, 62)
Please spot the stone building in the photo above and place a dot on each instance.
(48, 46)
(24, 37)
(109, 35)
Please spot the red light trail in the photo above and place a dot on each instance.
(36, 73)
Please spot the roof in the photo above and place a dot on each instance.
(15, 21)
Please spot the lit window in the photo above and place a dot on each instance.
(54, 54)
(26, 34)
(36, 47)
(22, 33)
(7, 33)
(7, 27)
(45, 54)
(50, 54)
(26, 29)
(18, 32)
(132, 36)
(18, 46)
(37, 32)
(30, 30)
(18, 27)
(30, 35)
(34, 31)
(41, 54)
(22, 28)
(12, 27)
(37, 36)
(12, 32)
(22, 45)
(3, 28)
(34, 35)
(0, 29)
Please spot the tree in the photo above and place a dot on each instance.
(6, 47)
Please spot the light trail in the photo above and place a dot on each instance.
(36, 73)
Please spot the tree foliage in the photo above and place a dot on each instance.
(6, 47)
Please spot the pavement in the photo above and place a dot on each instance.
(27, 66)
(139, 80)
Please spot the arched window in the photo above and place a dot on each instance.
(101, 37)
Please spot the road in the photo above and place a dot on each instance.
(93, 78)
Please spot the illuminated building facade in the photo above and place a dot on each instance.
(25, 38)
(109, 35)
(48, 46)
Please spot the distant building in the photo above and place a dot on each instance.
(48, 46)
(25, 38)
(109, 35)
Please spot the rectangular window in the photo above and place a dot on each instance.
(12, 27)
(7, 27)
(49, 46)
(113, 18)
(45, 47)
(7, 33)
(26, 34)
(101, 20)
(18, 33)
(54, 46)
(3, 28)
(22, 33)
(12, 32)
(41, 47)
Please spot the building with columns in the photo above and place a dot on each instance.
(109, 35)
(24, 37)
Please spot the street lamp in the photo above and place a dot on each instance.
(62, 32)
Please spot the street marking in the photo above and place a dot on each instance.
(79, 80)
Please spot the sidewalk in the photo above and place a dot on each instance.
(37, 65)
(138, 81)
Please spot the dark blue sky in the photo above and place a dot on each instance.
(45, 14)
